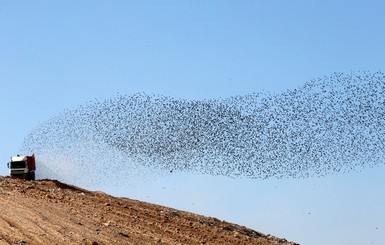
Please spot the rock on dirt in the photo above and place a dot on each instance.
(51, 212)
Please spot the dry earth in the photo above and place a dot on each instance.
(51, 212)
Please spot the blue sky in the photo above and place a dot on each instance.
(56, 55)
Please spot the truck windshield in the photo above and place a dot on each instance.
(18, 164)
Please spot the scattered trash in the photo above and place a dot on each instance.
(121, 233)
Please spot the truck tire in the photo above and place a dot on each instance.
(31, 176)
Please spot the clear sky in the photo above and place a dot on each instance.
(56, 55)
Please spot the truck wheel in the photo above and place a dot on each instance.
(31, 176)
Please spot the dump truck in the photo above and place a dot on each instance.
(22, 167)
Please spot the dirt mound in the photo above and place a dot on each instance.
(51, 212)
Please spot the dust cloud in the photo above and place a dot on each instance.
(331, 124)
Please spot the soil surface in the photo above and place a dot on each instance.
(51, 212)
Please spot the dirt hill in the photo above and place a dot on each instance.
(51, 212)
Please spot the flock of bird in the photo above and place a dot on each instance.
(331, 124)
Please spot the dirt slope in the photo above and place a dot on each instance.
(50, 212)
